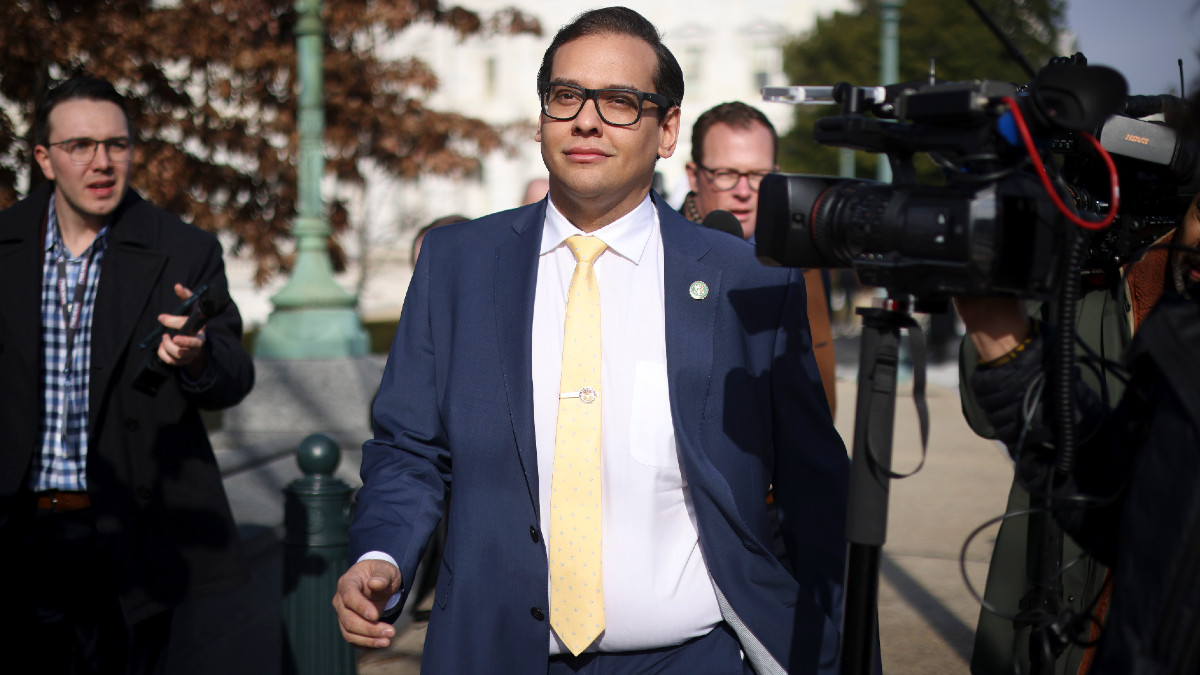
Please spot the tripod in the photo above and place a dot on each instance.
(870, 470)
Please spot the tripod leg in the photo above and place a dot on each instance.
(866, 523)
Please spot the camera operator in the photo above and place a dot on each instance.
(1003, 357)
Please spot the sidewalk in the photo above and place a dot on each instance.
(927, 616)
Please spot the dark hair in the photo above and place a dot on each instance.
(668, 76)
(737, 115)
(79, 87)
(444, 220)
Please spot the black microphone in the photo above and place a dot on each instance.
(202, 306)
(723, 221)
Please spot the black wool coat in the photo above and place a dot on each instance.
(161, 513)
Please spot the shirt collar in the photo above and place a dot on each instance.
(54, 237)
(627, 236)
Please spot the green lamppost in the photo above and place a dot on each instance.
(314, 318)
(889, 71)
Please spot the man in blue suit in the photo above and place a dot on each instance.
(706, 394)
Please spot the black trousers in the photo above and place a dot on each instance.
(67, 615)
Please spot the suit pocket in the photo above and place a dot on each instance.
(651, 435)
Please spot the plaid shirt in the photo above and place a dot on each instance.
(62, 462)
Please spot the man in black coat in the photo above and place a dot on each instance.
(111, 505)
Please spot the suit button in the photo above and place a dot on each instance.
(534, 534)
(132, 424)
(537, 613)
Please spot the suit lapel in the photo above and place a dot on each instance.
(690, 322)
(128, 276)
(514, 286)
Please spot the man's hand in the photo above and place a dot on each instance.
(184, 351)
(362, 593)
(995, 325)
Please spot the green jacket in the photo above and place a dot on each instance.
(1102, 323)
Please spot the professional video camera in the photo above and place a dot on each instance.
(1011, 220)
(998, 226)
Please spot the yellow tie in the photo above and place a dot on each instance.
(576, 588)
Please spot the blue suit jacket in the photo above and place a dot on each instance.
(455, 407)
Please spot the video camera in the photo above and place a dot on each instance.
(1016, 217)
(994, 228)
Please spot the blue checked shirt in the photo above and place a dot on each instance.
(62, 462)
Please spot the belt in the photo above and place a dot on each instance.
(57, 501)
(583, 659)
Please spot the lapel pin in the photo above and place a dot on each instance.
(698, 290)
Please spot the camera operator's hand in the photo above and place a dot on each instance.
(996, 326)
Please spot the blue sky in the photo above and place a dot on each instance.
(1142, 39)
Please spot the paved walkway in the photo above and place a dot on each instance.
(927, 615)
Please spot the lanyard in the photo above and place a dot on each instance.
(73, 308)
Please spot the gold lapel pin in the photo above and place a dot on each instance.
(698, 290)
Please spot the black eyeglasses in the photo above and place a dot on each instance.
(83, 150)
(727, 179)
(617, 107)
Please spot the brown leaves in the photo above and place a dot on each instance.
(212, 87)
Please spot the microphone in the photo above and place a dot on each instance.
(723, 221)
(202, 306)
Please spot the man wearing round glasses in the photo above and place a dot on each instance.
(733, 146)
(112, 510)
(610, 389)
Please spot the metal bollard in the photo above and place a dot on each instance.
(316, 522)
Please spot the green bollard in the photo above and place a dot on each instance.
(316, 522)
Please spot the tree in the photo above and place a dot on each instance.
(213, 96)
(844, 47)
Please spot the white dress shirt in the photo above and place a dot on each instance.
(657, 590)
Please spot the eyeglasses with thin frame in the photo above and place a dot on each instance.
(727, 179)
(83, 150)
(617, 107)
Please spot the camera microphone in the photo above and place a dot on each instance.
(723, 221)
(1145, 106)
(202, 306)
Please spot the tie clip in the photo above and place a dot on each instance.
(587, 395)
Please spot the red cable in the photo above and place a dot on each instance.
(1041, 170)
